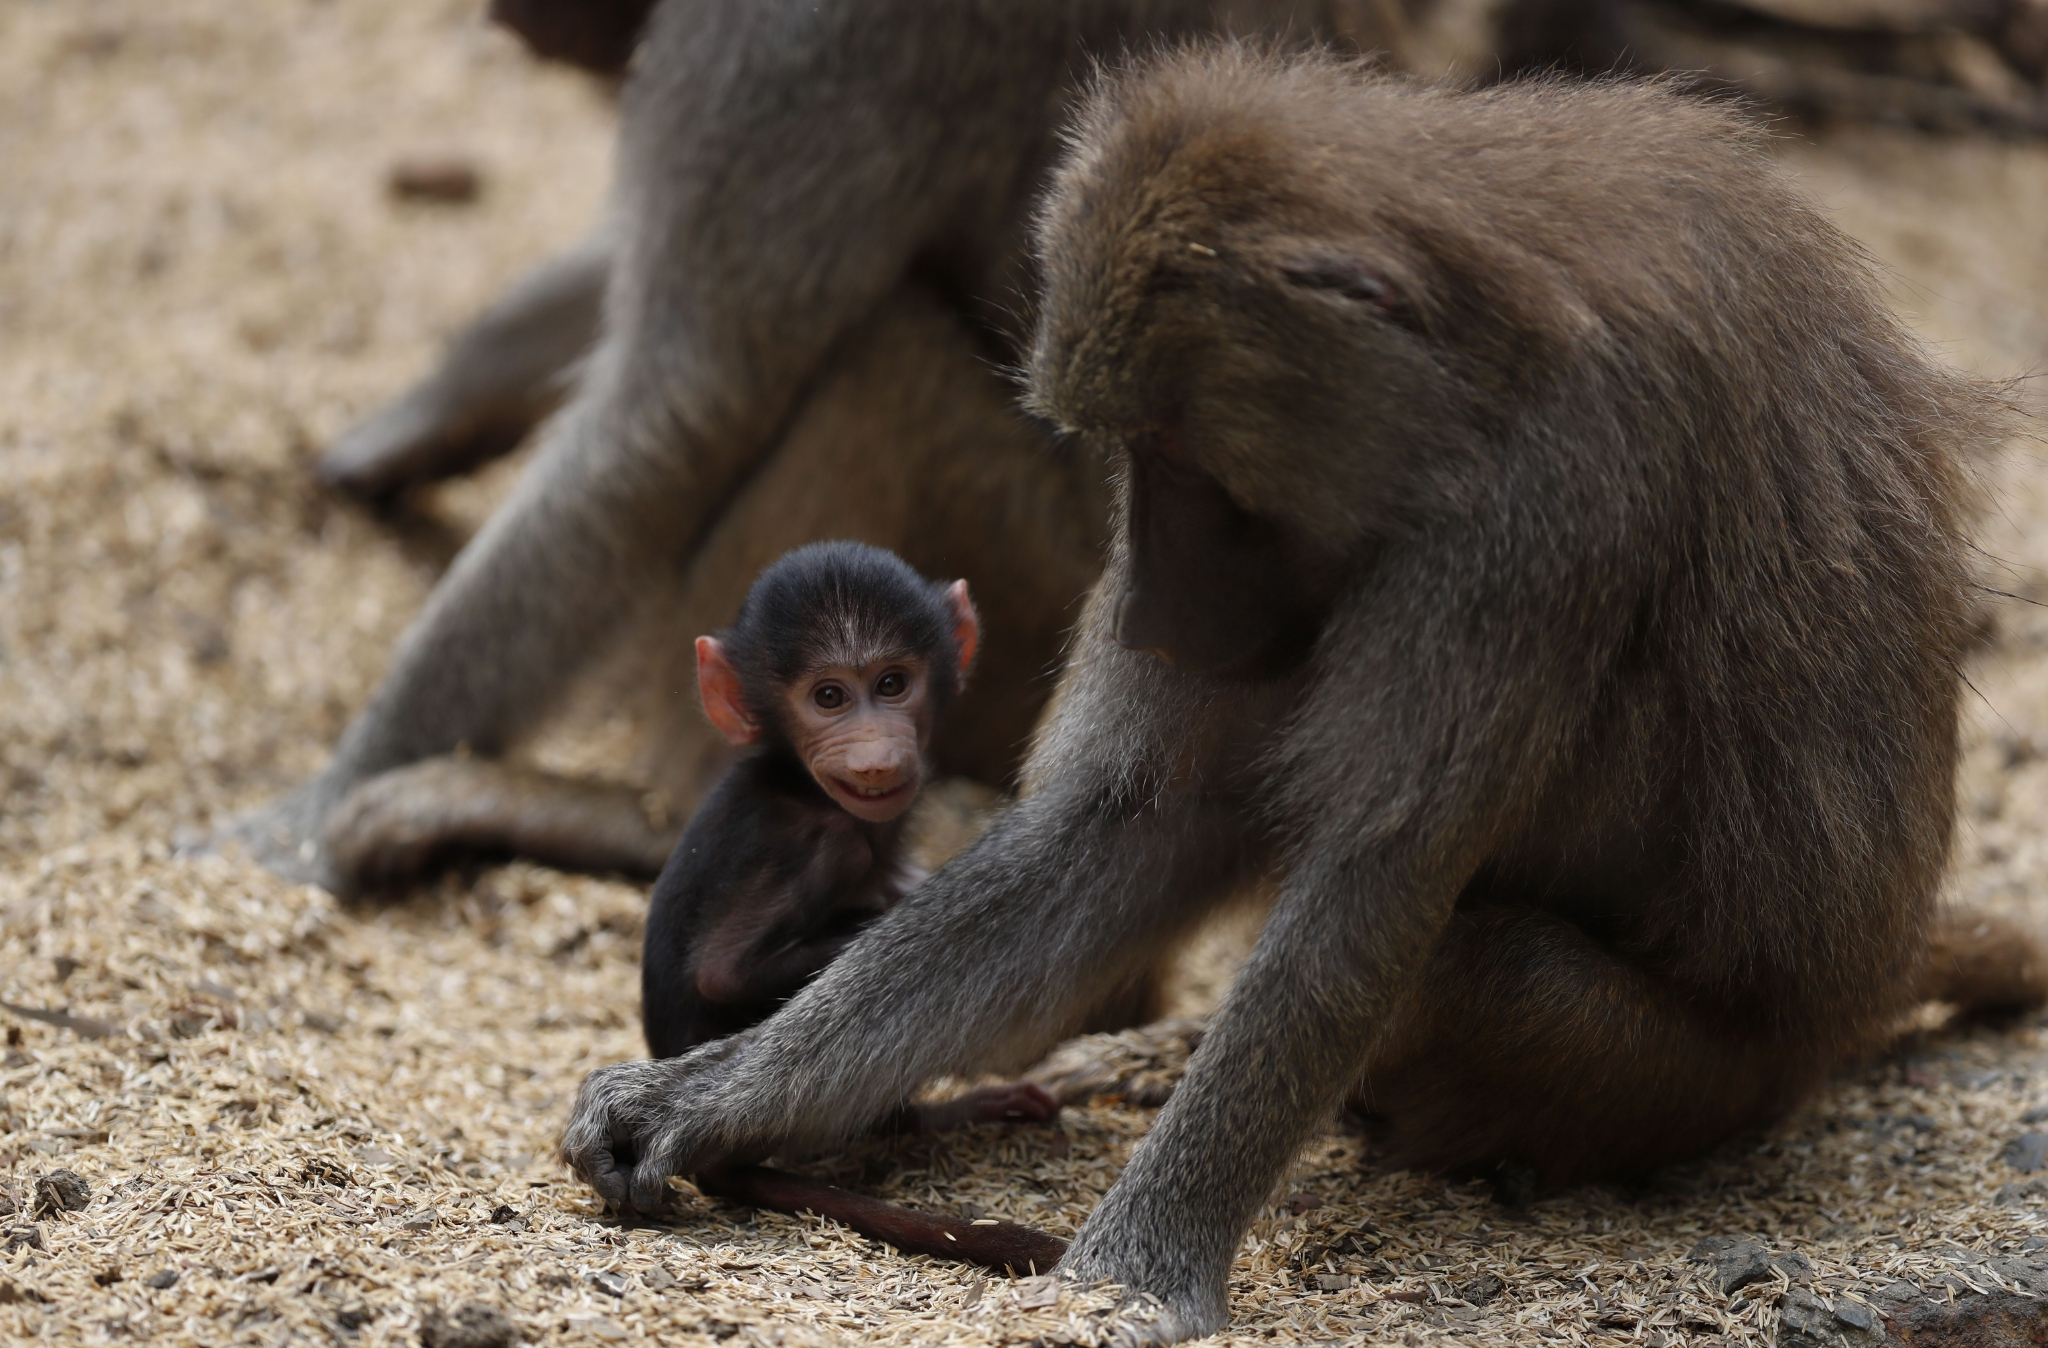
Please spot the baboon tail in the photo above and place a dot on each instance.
(1984, 963)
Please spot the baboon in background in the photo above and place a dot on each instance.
(907, 438)
(1539, 547)
(817, 254)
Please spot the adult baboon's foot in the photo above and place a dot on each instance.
(1150, 1316)
(399, 824)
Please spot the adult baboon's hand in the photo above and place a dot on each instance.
(637, 1123)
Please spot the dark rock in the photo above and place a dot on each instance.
(2029, 1275)
(22, 1238)
(1999, 1320)
(611, 1284)
(446, 179)
(1737, 1262)
(657, 1279)
(60, 1191)
(162, 1280)
(2027, 1153)
(1514, 1183)
(321, 1170)
(354, 1316)
(2038, 1114)
(1809, 1321)
(470, 1325)
(1482, 1289)
(2018, 1193)
(1796, 1267)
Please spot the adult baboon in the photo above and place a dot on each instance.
(1538, 545)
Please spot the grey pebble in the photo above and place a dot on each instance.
(2027, 1153)
(470, 1325)
(1737, 1262)
(61, 1191)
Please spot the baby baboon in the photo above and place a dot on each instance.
(1544, 547)
(832, 678)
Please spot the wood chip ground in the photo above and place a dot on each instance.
(302, 1122)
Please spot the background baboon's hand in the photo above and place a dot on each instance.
(637, 1123)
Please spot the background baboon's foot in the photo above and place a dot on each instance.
(1143, 1064)
(284, 836)
(1011, 1102)
(415, 440)
(400, 824)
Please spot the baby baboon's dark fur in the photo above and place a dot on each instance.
(1610, 786)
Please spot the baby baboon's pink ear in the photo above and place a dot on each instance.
(725, 702)
(966, 626)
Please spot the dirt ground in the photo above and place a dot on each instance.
(304, 1121)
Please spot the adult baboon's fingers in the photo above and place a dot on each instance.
(649, 1188)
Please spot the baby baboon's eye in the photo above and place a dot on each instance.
(829, 696)
(893, 684)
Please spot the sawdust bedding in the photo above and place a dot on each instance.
(303, 1121)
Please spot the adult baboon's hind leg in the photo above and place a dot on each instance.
(1529, 1043)
(509, 368)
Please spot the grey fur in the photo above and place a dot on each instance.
(794, 177)
(1611, 801)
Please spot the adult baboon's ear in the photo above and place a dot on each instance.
(725, 701)
(966, 627)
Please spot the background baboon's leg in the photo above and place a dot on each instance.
(398, 824)
(758, 225)
(908, 442)
(508, 369)
(1528, 1042)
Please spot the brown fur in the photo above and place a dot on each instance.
(1595, 703)
(1769, 596)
